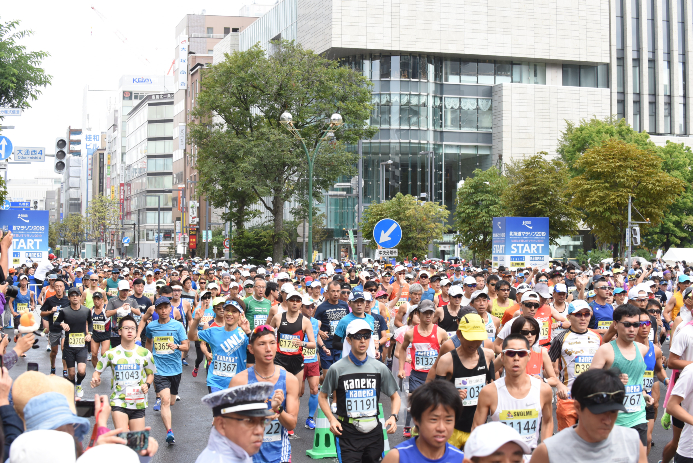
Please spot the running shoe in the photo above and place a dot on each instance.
(52, 371)
(79, 392)
(177, 398)
(291, 434)
(407, 431)
(89, 358)
(48, 347)
(157, 405)
(169, 438)
(65, 374)
(310, 423)
(194, 372)
(185, 363)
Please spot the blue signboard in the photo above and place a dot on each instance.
(126, 240)
(6, 205)
(387, 233)
(29, 235)
(5, 148)
(20, 205)
(520, 242)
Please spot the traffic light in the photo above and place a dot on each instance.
(60, 154)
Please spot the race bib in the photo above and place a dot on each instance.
(333, 326)
(361, 402)
(424, 359)
(99, 326)
(127, 373)
(134, 394)
(21, 308)
(286, 342)
(112, 292)
(225, 369)
(273, 432)
(604, 324)
(648, 380)
(55, 315)
(205, 319)
(473, 387)
(582, 364)
(259, 320)
(491, 331)
(523, 421)
(309, 354)
(149, 295)
(544, 330)
(633, 398)
(161, 345)
(650, 336)
(76, 339)
(451, 334)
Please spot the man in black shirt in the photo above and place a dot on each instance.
(49, 311)
(75, 320)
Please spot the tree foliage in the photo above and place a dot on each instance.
(102, 215)
(478, 202)
(73, 232)
(421, 223)
(252, 244)
(536, 188)
(21, 78)
(246, 156)
(613, 171)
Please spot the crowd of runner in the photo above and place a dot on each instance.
(474, 360)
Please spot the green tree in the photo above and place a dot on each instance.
(246, 156)
(421, 223)
(217, 241)
(677, 222)
(577, 139)
(253, 244)
(594, 256)
(536, 188)
(479, 200)
(613, 171)
(73, 232)
(53, 235)
(102, 215)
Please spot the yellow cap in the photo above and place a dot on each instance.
(472, 328)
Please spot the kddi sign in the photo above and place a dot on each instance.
(142, 80)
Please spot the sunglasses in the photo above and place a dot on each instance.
(654, 312)
(528, 332)
(645, 323)
(471, 286)
(360, 336)
(372, 290)
(581, 314)
(531, 305)
(630, 324)
(263, 328)
(542, 281)
(605, 288)
(203, 298)
(519, 352)
(345, 292)
(606, 397)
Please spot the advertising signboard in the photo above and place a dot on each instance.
(29, 235)
(520, 242)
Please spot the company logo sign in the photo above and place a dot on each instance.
(142, 80)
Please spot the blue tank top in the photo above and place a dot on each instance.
(275, 443)
(22, 299)
(409, 453)
(650, 362)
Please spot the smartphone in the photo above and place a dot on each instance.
(136, 440)
(31, 366)
(85, 408)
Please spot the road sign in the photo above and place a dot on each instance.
(226, 243)
(5, 148)
(6, 205)
(20, 205)
(126, 240)
(214, 249)
(387, 233)
(30, 153)
(10, 112)
(385, 253)
(520, 242)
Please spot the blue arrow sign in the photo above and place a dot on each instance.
(387, 233)
(6, 205)
(5, 148)
(126, 240)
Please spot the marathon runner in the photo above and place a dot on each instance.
(357, 304)
(119, 306)
(91, 287)
(49, 312)
(166, 338)
(24, 301)
(479, 301)
(257, 308)
(111, 284)
(502, 300)
(276, 447)
(675, 303)
(447, 317)
(133, 371)
(311, 366)
(329, 313)
(101, 335)
(75, 320)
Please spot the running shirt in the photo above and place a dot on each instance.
(329, 316)
(677, 306)
(473, 380)
(449, 323)
(497, 310)
(634, 401)
(311, 355)
(409, 453)
(181, 312)
(168, 362)
(89, 299)
(558, 330)
(79, 322)
(490, 328)
(650, 362)
(523, 415)
(130, 369)
(536, 361)
(424, 350)
(256, 311)
(543, 316)
(602, 316)
(22, 302)
(287, 333)
(111, 288)
(100, 322)
(59, 304)
(576, 351)
(275, 442)
(228, 354)
(150, 291)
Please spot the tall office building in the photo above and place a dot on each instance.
(476, 83)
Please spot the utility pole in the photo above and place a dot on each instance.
(628, 241)
(207, 228)
(158, 231)
(359, 235)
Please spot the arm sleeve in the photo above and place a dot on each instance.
(90, 322)
(12, 426)
(555, 349)
(337, 343)
(593, 322)
(59, 319)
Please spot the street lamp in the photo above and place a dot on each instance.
(335, 122)
(382, 179)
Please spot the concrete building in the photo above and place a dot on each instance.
(51, 203)
(475, 83)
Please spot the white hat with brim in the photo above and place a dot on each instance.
(488, 438)
(356, 326)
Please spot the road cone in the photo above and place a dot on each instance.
(323, 443)
(381, 417)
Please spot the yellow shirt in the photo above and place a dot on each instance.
(679, 304)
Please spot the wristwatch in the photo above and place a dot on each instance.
(395, 416)
(149, 386)
(280, 410)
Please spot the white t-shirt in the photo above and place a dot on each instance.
(465, 301)
(684, 388)
(505, 331)
(683, 342)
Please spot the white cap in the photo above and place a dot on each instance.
(315, 284)
(398, 269)
(261, 271)
(530, 296)
(177, 287)
(109, 452)
(367, 296)
(79, 269)
(477, 293)
(469, 281)
(233, 284)
(288, 288)
(364, 274)
(149, 272)
(307, 300)
(283, 276)
(424, 272)
(212, 286)
(269, 259)
(356, 326)
(445, 282)
(489, 437)
(455, 290)
(560, 288)
(123, 284)
(293, 294)
(634, 292)
(523, 288)
(55, 446)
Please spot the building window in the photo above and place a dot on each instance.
(681, 29)
(620, 111)
(571, 75)
(486, 71)
(665, 27)
(667, 118)
(619, 75)
(682, 118)
(682, 79)
(636, 76)
(650, 27)
(635, 24)
(653, 117)
(227, 31)
(586, 76)
(503, 72)
(210, 30)
(468, 72)
(636, 116)
(235, 29)
(619, 24)
(666, 78)
(651, 79)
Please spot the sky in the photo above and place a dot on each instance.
(93, 50)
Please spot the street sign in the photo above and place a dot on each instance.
(226, 243)
(29, 235)
(387, 233)
(5, 148)
(126, 240)
(385, 253)
(10, 112)
(20, 205)
(6, 205)
(30, 153)
(214, 249)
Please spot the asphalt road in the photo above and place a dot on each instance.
(192, 421)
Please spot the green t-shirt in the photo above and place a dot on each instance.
(130, 369)
(256, 311)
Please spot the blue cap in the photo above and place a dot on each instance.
(631, 272)
(51, 410)
(235, 304)
(356, 295)
(619, 290)
(577, 306)
(162, 300)
(338, 270)
(683, 278)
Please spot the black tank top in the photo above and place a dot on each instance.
(449, 323)
(287, 332)
(464, 422)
